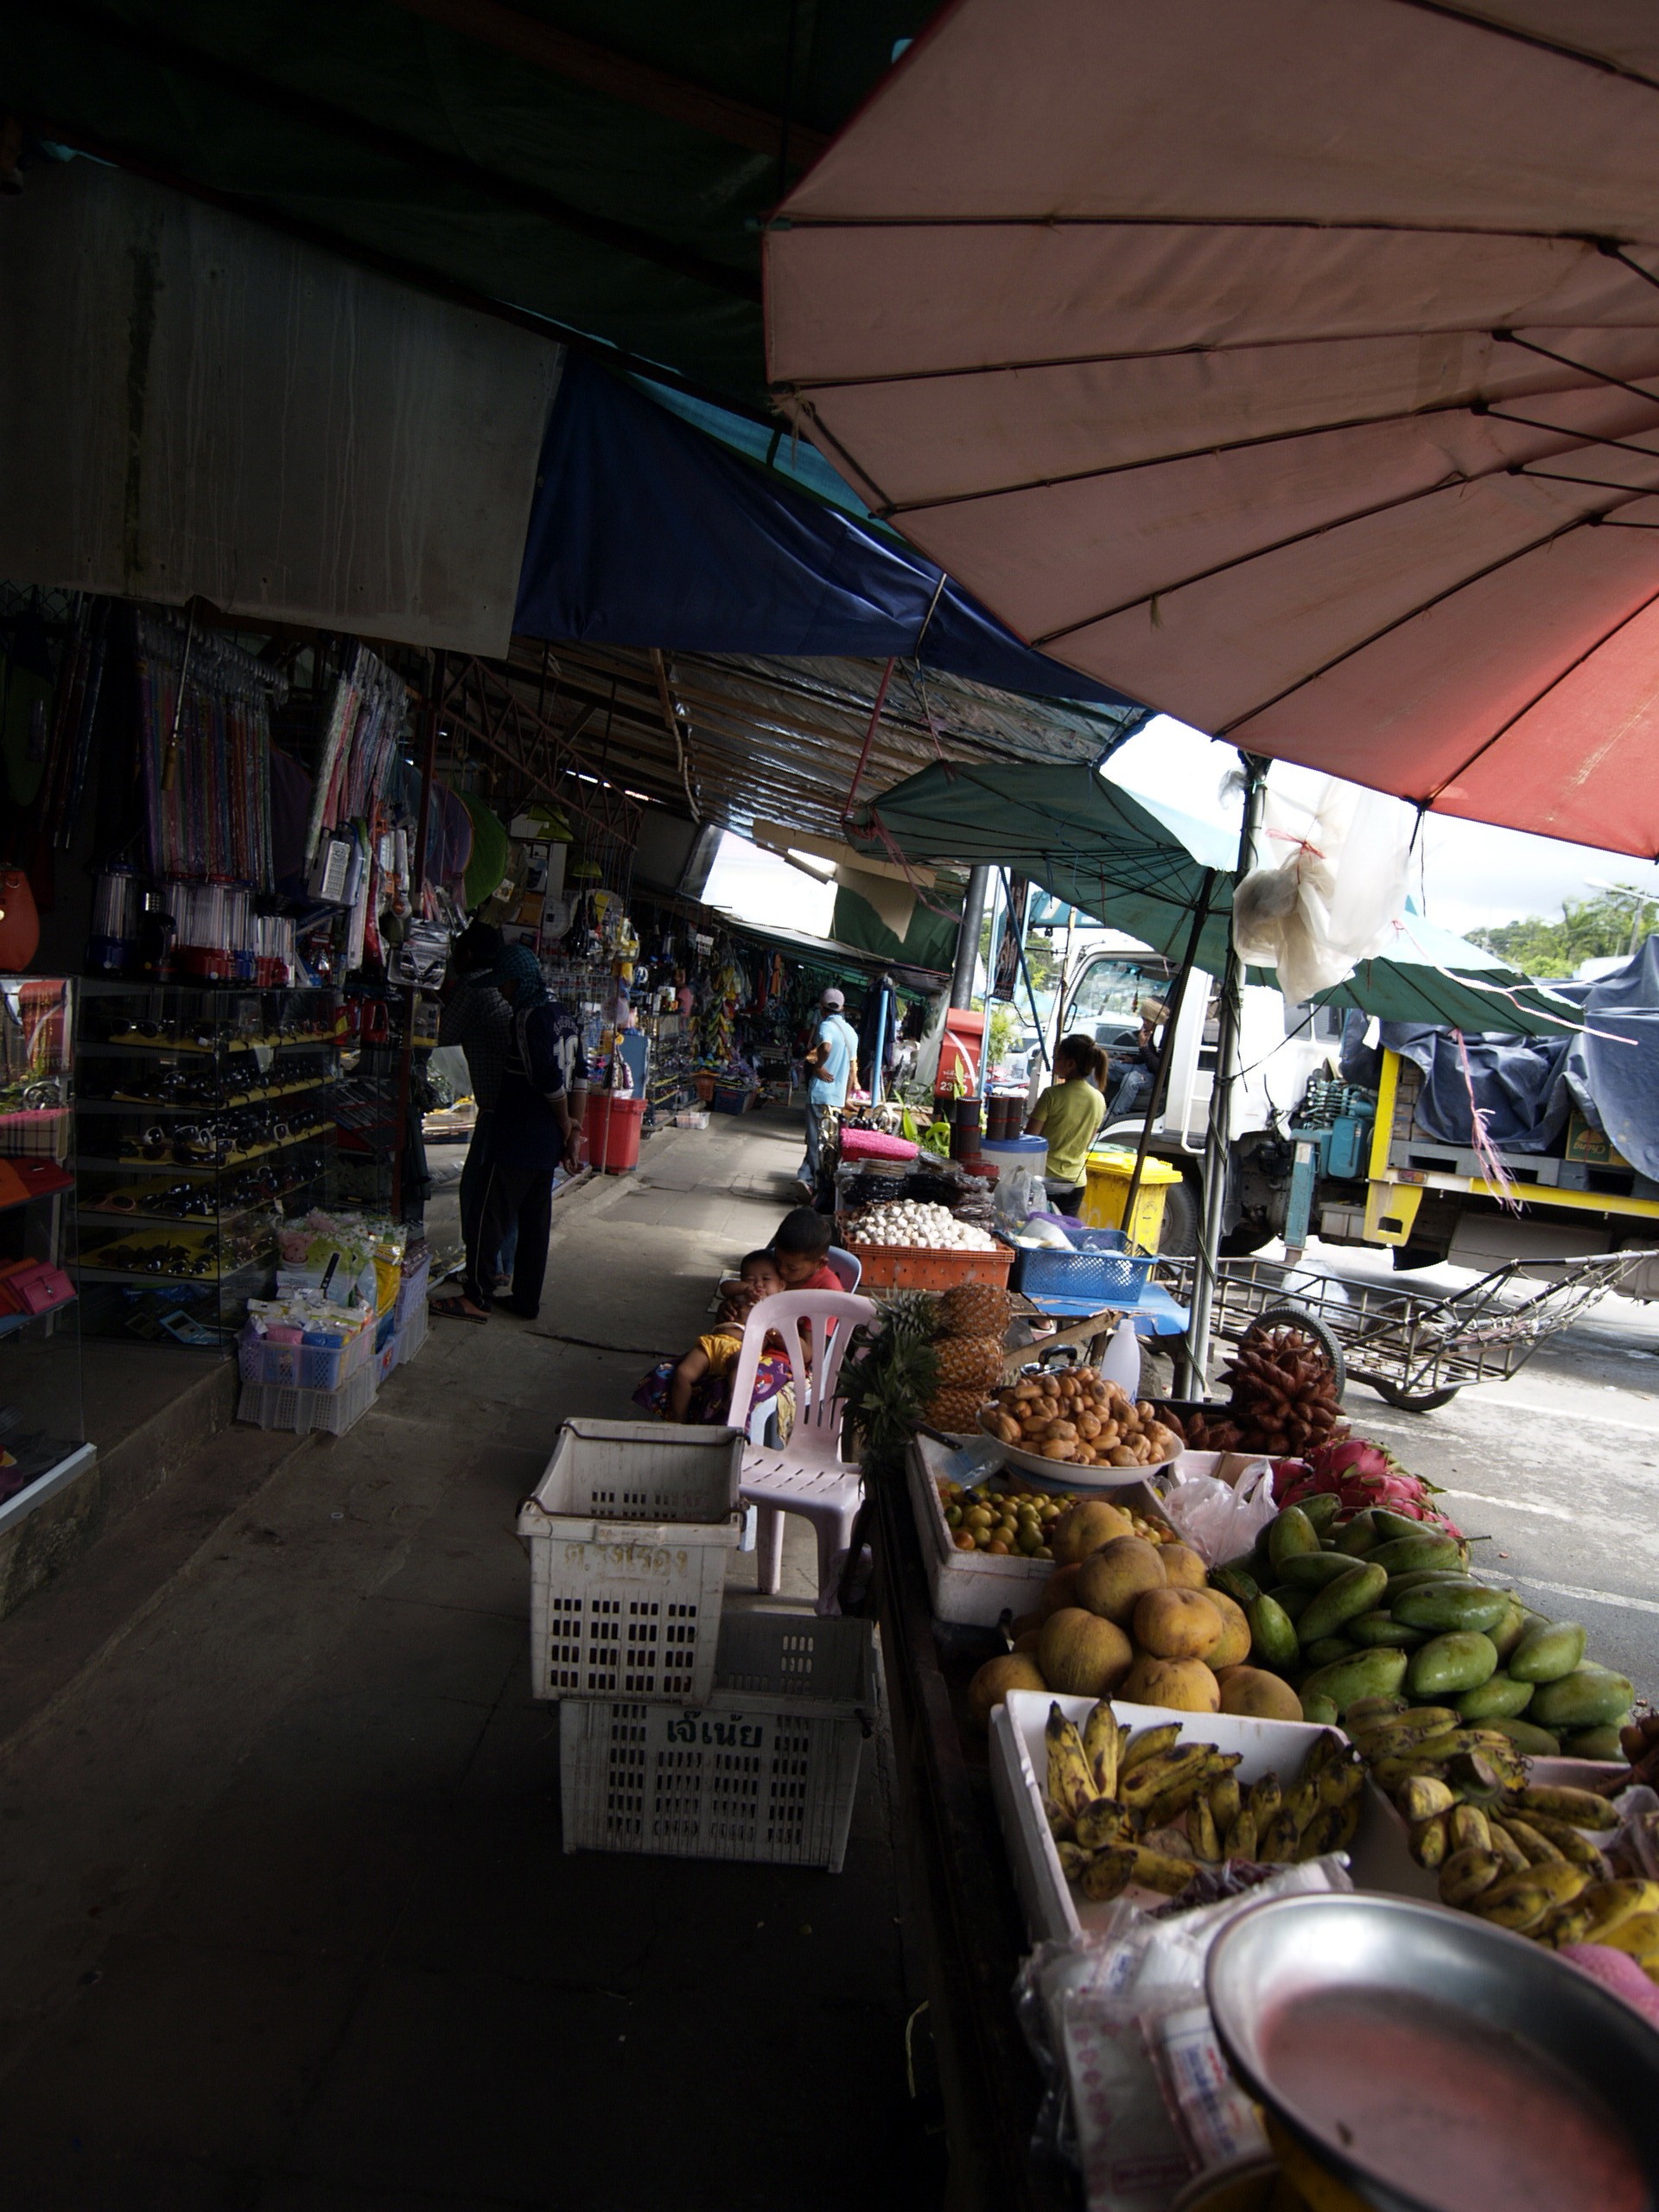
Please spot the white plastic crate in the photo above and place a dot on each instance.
(1020, 1766)
(629, 1533)
(766, 1769)
(413, 1329)
(411, 1293)
(301, 1367)
(270, 1405)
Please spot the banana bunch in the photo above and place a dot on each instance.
(1516, 1853)
(1152, 1808)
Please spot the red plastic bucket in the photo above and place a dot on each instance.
(613, 1131)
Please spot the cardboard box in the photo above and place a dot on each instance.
(1592, 1147)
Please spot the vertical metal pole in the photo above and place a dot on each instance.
(1059, 995)
(1174, 1002)
(973, 913)
(1218, 1138)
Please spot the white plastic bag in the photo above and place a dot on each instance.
(1332, 885)
(1220, 1504)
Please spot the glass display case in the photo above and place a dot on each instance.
(42, 1438)
(202, 1114)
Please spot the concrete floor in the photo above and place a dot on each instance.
(288, 1924)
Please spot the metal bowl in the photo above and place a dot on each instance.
(1067, 1475)
(1432, 2063)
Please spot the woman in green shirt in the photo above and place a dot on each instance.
(1068, 1114)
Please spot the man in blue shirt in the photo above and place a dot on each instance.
(829, 1067)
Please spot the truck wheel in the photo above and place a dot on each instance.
(1179, 1237)
(1249, 1236)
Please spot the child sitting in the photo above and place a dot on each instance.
(800, 1249)
(698, 1387)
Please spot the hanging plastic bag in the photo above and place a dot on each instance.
(1220, 1509)
(1332, 889)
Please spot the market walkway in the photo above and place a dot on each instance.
(288, 1925)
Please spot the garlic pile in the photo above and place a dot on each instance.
(907, 1222)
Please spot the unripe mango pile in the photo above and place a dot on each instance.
(1378, 1605)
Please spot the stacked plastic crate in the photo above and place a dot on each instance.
(682, 1732)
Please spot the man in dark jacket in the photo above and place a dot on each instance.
(535, 1135)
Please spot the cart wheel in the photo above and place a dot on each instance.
(1298, 1317)
(1415, 1402)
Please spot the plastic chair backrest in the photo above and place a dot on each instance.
(832, 1315)
(847, 1265)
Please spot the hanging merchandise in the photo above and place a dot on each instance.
(1332, 891)
(366, 722)
(205, 753)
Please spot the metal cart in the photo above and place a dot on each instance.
(1415, 1348)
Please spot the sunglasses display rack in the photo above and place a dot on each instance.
(42, 1440)
(202, 1114)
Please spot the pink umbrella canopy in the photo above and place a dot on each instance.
(1292, 367)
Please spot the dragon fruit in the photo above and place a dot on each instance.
(1362, 1475)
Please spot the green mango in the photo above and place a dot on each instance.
(1314, 1569)
(1509, 1630)
(1500, 1697)
(1358, 1536)
(1320, 1711)
(1546, 1654)
(1291, 1597)
(1591, 1697)
(1595, 1744)
(1345, 1595)
(1273, 1641)
(1321, 1509)
(1326, 1649)
(1417, 1577)
(1379, 1627)
(1290, 1534)
(1526, 1736)
(1404, 1554)
(1390, 1525)
(1450, 1605)
(1344, 1681)
(1447, 1664)
(1237, 1580)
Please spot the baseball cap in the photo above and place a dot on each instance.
(833, 998)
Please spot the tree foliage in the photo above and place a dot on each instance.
(1609, 923)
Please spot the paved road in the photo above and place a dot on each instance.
(1558, 1468)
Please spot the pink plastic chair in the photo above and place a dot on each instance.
(806, 1475)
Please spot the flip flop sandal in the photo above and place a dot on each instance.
(455, 1309)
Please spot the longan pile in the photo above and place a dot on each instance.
(1076, 1416)
(986, 1518)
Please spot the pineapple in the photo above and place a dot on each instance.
(910, 1315)
(970, 1364)
(957, 1412)
(976, 1309)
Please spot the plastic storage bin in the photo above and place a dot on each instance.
(629, 1533)
(923, 1267)
(270, 1404)
(301, 1367)
(1110, 1172)
(1100, 1265)
(765, 1768)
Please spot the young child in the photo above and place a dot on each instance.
(698, 1387)
(800, 1249)
(1069, 1114)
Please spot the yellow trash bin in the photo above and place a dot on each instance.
(1110, 1171)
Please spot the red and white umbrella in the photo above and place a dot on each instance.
(1291, 366)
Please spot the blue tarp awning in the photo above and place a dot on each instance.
(645, 530)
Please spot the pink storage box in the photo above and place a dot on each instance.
(874, 1144)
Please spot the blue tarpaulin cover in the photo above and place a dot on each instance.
(1527, 1086)
(645, 530)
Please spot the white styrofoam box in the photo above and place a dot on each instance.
(629, 1532)
(1020, 1766)
(765, 1768)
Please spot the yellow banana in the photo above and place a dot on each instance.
(1073, 1860)
(1345, 1826)
(1201, 1826)
(1326, 1746)
(1429, 1842)
(1265, 1798)
(1139, 1785)
(1071, 1784)
(1161, 1870)
(1465, 1874)
(1340, 1785)
(1608, 1903)
(1175, 1799)
(1538, 1849)
(1466, 1829)
(1101, 1823)
(1581, 1807)
(1402, 1732)
(1419, 1796)
(1389, 1774)
(1240, 1839)
(1568, 1839)
(1148, 1743)
(1507, 1846)
(1100, 1748)
(1522, 1909)
(1281, 1843)
(1224, 1798)
(1303, 1801)
(1108, 1874)
(1639, 1935)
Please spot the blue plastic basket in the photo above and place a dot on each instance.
(1100, 1265)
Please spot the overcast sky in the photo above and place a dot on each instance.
(1465, 875)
